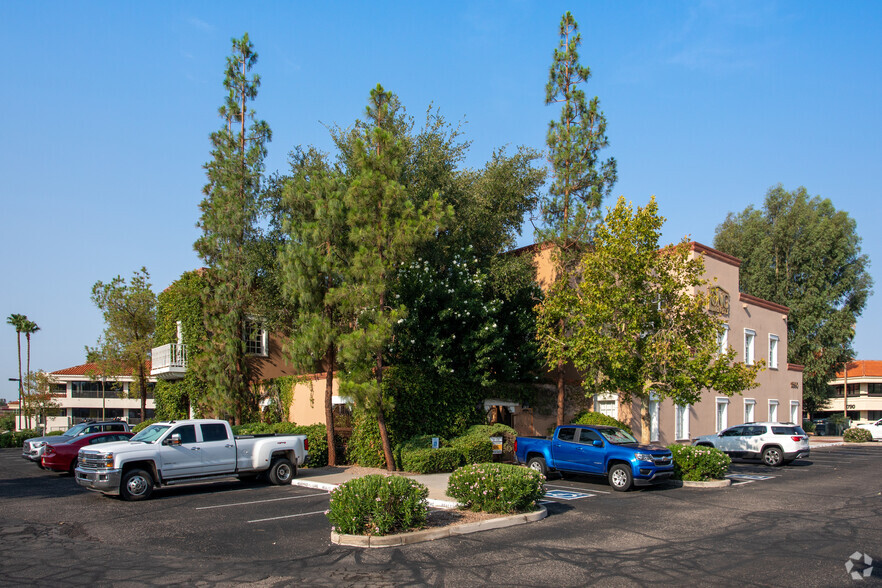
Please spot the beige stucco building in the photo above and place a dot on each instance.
(755, 328)
(863, 400)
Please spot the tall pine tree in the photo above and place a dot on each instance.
(580, 181)
(230, 212)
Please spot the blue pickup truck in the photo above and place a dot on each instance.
(600, 450)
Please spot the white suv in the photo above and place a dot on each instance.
(775, 443)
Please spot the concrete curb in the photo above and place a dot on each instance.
(434, 503)
(708, 484)
(432, 534)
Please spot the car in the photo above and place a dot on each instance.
(62, 457)
(32, 449)
(775, 443)
(875, 429)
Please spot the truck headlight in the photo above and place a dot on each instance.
(643, 457)
(107, 460)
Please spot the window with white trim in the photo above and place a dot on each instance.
(722, 414)
(723, 339)
(773, 411)
(749, 410)
(794, 412)
(749, 346)
(256, 338)
(681, 422)
(773, 352)
(653, 418)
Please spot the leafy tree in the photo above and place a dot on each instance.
(230, 212)
(41, 400)
(644, 328)
(385, 227)
(130, 316)
(801, 252)
(314, 262)
(580, 181)
(105, 365)
(18, 321)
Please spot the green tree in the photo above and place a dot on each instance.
(229, 223)
(644, 328)
(801, 252)
(104, 365)
(18, 321)
(385, 226)
(580, 181)
(41, 400)
(130, 317)
(314, 262)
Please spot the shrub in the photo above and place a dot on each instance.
(17, 438)
(365, 446)
(474, 448)
(430, 461)
(316, 434)
(808, 426)
(144, 424)
(595, 418)
(496, 487)
(495, 430)
(698, 464)
(378, 505)
(54, 433)
(855, 435)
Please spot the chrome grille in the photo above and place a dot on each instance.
(91, 460)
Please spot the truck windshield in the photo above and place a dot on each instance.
(151, 433)
(617, 436)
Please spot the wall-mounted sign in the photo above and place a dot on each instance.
(717, 300)
(497, 445)
(436, 443)
(851, 406)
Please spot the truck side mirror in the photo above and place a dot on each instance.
(597, 443)
(173, 440)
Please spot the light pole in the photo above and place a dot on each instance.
(18, 421)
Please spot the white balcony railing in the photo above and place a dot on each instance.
(169, 362)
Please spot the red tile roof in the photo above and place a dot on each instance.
(87, 368)
(863, 368)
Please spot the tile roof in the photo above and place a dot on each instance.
(863, 368)
(87, 368)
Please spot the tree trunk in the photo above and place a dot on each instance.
(20, 399)
(561, 394)
(28, 379)
(381, 418)
(330, 361)
(645, 433)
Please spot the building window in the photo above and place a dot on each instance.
(794, 412)
(255, 337)
(653, 419)
(749, 344)
(722, 413)
(749, 410)
(773, 411)
(723, 339)
(681, 422)
(874, 389)
(773, 352)
(607, 407)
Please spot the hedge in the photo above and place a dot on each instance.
(698, 463)
(317, 435)
(430, 461)
(597, 418)
(496, 487)
(855, 435)
(378, 505)
(365, 446)
(17, 438)
(474, 448)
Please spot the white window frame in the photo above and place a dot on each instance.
(773, 406)
(653, 417)
(723, 339)
(749, 346)
(607, 397)
(721, 419)
(749, 417)
(264, 338)
(681, 422)
(794, 413)
(774, 341)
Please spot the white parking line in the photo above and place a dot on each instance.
(576, 489)
(259, 501)
(303, 514)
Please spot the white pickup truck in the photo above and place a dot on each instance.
(179, 452)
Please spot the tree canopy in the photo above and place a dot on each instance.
(801, 252)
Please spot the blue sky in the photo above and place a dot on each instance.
(108, 107)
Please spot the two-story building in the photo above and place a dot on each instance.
(857, 391)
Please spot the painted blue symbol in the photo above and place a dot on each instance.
(565, 495)
(748, 477)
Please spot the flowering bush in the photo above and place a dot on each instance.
(378, 505)
(856, 435)
(698, 464)
(496, 487)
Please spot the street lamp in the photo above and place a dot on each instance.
(18, 422)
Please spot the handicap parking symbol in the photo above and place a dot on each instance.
(566, 495)
(748, 477)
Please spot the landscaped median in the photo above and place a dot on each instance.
(700, 467)
(384, 511)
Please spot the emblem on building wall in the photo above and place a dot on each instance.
(717, 300)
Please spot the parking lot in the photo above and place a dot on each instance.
(790, 526)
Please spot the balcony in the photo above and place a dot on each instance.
(169, 362)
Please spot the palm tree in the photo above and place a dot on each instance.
(19, 322)
(28, 328)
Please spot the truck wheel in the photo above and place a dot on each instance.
(538, 464)
(772, 456)
(620, 477)
(136, 485)
(281, 472)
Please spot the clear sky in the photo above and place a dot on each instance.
(108, 106)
